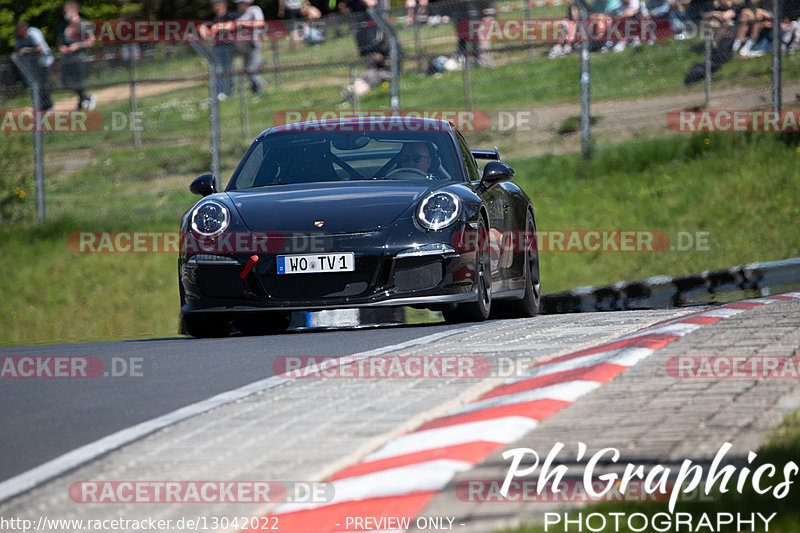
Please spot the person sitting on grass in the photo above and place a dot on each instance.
(725, 17)
(674, 11)
(627, 10)
(600, 15)
(753, 22)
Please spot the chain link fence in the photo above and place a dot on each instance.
(167, 111)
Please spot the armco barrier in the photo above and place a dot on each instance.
(656, 292)
(664, 291)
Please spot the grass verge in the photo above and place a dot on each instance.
(740, 189)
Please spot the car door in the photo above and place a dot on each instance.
(497, 208)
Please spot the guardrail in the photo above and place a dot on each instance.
(715, 286)
(710, 287)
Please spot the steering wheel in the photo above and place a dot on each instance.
(406, 170)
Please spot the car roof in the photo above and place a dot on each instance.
(377, 123)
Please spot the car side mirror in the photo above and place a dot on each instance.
(204, 184)
(495, 172)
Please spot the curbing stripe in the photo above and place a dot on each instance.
(505, 405)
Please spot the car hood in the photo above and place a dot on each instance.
(343, 207)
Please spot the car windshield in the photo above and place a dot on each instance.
(311, 157)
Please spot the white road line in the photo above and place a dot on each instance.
(678, 328)
(501, 430)
(627, 356)
(722, 312)
(568, 391)
(73, 459)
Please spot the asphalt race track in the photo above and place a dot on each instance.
(54, 416)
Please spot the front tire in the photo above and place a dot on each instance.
(479, 310)
(528, 306)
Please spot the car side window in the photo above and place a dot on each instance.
(469, 161)
(247, 175)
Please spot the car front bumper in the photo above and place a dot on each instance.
(390, 270)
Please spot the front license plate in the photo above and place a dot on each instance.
(316, 263)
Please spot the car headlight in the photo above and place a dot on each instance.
(439, 210)
(210, 218)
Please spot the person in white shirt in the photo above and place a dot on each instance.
(253, 16)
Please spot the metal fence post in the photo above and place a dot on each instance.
(776, 56)
(707, 53)
(38, 146)
(137, 142)
(585, 90)
(213, 104)
(356, 104)
(531, 53)
(467, 82)
(277, 62)
(394, 56)
(417, 42)
(243, 100)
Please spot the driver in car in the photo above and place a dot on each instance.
(416, 155)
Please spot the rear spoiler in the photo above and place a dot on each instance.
(487, 154)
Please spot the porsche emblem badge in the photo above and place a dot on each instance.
(319, 223)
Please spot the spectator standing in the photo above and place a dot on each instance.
(472, 10)
(373, 45)
(73, 39)
(32, 49)
(421, 8)
(368, 34)
(253, 16)
(222, 31)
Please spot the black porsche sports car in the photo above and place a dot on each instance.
(348, 213)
